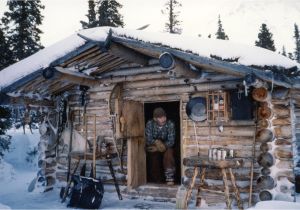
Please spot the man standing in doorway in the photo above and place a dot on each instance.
(160, 139)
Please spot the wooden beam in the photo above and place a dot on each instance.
(24, 99)
(203, 62)
(74, 77)
(128, 54)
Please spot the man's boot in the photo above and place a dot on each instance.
(169, 174)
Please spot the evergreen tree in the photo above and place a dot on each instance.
(5, 52)
(5, 124)
(172, 25)
(290, 56)
(109, 15)
(22, 22)
(283, 51)
(265, 39)
(297, 42)
(92, 20)
(221, 33)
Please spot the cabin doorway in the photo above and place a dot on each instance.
(172, 110)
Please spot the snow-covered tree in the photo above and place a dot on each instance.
(92, 19)
(172, 12)
(265, 38)
(109, 15)
(297, 42)
(6, 57)
(22, 22)
(283, 51)
(221, 33)
(5, 124)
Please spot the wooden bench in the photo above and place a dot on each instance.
(202, 163)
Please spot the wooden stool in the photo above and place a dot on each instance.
(201, 163)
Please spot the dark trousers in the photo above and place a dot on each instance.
(160, 163)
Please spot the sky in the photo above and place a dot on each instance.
(241, 18)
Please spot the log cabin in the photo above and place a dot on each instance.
(104, 83)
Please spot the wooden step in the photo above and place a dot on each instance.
(153, 192)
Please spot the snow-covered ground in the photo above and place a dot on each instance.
(17, 171)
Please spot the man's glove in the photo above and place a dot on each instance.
(161, 147)
(151, 148)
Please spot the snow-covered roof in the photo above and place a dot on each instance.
(224, 49)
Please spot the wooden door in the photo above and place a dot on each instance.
(133, 113)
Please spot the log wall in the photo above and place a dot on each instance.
(198, 137)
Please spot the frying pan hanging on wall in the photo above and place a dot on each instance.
(196, 109)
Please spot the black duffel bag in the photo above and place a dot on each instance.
(86, 193)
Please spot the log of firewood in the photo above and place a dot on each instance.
(283, 152)
(260, 94)
(263, 123)
(264, 147)
(281, 121)
(283, 131)
(264, 112)
(265, 159)
(286, 173)
(284, 164)
(265, 171)
(265, 182)
(281, 111)
(265, 195)
(283, 141)
(264, 135)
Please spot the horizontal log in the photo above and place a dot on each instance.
(281, 111)
(263, 123)
(264, 147)
(283, 141)
(284, 164)
(174, 82)
(201, 161)
(182, 89)
(285, 173)
(216, 174)
(265, 182)
(265, 159)
(283, 131)
(265, 171)
(264, 135)
(281, 121)
(265, 195)
(228, 131)
(242, 153)
(283, 152)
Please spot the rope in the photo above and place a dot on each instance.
(198, 148)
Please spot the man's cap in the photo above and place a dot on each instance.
(159, 112)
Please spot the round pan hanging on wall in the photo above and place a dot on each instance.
(196, 109)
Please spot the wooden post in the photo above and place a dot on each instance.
(226, 189)
(236, 190)
(198, 197)
(190, 189)
(94, 148)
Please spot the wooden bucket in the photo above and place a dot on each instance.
(264, 112)
(264, 135)
(265, 160)
(260, 94)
